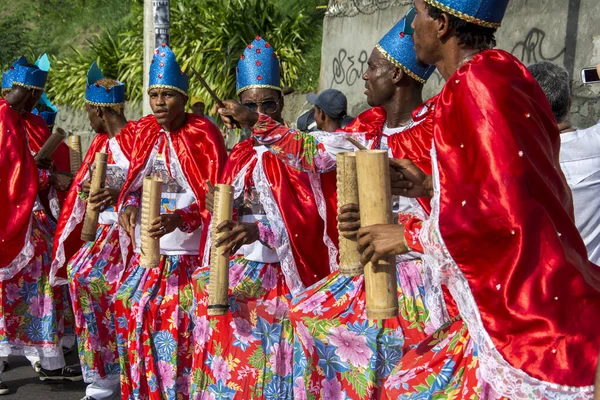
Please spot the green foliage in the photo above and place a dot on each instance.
(14, 44)
(209, 35)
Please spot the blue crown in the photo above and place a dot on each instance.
(7, 80)
(48, 116)
(32, 78)
(398, 47)
(98, 95)
(258, 67)
(487, 13)
(165, 71)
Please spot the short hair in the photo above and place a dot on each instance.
(108, 83)
(556, 84)
(469, 34)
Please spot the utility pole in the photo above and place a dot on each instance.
(148, 51)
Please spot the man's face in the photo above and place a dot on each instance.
(198, 108)
(379, 86)
(32, 99)
(96, 122)
(425, 35)
(167, 105)
(264, 101)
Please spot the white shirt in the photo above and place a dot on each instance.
(580, 162)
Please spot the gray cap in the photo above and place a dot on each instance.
(331, 101)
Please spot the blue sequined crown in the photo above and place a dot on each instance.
(48, 116)
(398, 47)
(31, 78)
(98, 95)
(165, 71)
(487, 13)
(7, 77)
(258, 67)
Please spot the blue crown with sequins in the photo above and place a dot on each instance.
(166, 73)
(48, 116)
(31, 77)
(7, 77)
(487, 13)
(98, 95)
(398, 47)
(258, 67)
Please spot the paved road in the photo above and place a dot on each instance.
(24, 383)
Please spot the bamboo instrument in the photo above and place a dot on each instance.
(218, 287)
(74, 142)
(90, 223)
(51, 145)
(347, 191)
(151, 198)
(375, 197)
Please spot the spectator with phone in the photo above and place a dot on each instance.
(579, 154)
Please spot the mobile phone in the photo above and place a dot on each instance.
(590, 75)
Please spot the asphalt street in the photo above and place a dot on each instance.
(24, 383)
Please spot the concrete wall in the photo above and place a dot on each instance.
(563, 31)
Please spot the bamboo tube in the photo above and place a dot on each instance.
(347, 191)
(218, 287)
(90, 223)
(74, 142)
(151, 198)
(51, 145)
(375, 198)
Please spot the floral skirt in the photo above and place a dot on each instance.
(341, 353)
(32, 312)
(154, 328)
(248, 353)
(94, 273)
(443, 366)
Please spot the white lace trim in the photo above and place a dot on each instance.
(440, 268)
(51, 356)
(54, 203)
(315, 183)
(284, 251)
(23, 258)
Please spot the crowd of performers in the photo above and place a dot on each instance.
(496, 296)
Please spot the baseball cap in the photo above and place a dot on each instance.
(331, 101)
(306, 122)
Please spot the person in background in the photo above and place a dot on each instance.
(579, 154)
(198, 107)
(306, 122)
(330, 108)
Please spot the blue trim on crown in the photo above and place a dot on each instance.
(258, 67)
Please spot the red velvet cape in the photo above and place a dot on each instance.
(294, 197)
(199, 147)
(73, 242)
(18, 184)
(506, 218)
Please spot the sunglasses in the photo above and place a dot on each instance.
(268, 106)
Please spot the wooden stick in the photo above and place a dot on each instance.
(211, 92)
(90, 223)
(218, 287)
(356, 143)
(74, 142)
(51, 145)
(347, 191)
(151, 198)
(375, 196)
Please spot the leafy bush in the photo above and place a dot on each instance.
(209, 35)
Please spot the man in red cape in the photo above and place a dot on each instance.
(153, 309)
(501, 234)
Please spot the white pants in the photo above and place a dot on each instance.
(109, 389)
